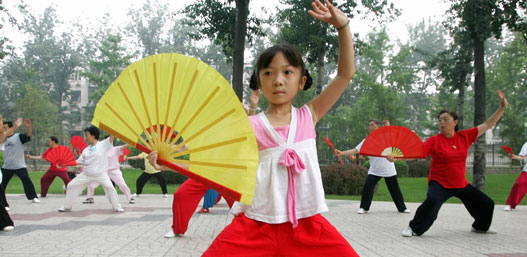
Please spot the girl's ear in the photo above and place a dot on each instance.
(302, 84)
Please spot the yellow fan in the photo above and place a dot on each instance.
(165, 102)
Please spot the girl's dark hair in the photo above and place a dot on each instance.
(54, 139)
(94, 131)
(293, 56)
(378, 122)
(452, 113)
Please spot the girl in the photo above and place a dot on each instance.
(379, 168)
(284, 217)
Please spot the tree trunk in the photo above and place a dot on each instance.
(320, 73)
(460, 104)
(240, 31)
(479, 112)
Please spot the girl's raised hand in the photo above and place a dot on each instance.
(503, 100)
(328, 13)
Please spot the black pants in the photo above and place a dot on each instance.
(478, 204)
(29, 188)
(393, 187)
(144, 177)
(3, 199)
(5, 220)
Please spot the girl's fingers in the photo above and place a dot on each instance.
(316, 9)
(322, 6)
(315, 15)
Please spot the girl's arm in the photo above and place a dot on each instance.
(255, 97)
(346, 63)
(518, 157)
(137, 157)
(491, 121)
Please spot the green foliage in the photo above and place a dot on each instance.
(402, 168)
(509, 74)
(418, 168)
(171, 177)
(147, 24)
(343, 179)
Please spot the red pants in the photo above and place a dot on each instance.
(518, 190)
(186, 200)
(48, 177)
(314, 236)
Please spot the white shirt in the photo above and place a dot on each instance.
(379, 166)
(95, 158)
(523, 152)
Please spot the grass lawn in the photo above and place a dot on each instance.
(498, 187)
(414, 189)
(130, 176)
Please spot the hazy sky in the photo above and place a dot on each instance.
(88, 12)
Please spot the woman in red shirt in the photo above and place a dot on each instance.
(449, 151)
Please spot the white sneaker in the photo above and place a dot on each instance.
(64, 209)
(35, 200)
(171, 234)
(408, 232)
(362, 211)
(165, 196)
(406, 211)
(8, 228)
(120, 209)
(132, 201)
(135, 195)
(489, 231)
(7, 208)
(507, 208)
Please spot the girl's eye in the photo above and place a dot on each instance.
(288, 72)
(267, 73)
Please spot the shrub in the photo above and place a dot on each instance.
(402, 169)
(136, 164)
(343, 179)
(171, 177)
(418, 168)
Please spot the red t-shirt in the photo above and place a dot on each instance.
(53, 166)
(449, 156)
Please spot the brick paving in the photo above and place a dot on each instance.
(95, 230)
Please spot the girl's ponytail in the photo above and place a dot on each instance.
(253, 81)
(309, 80)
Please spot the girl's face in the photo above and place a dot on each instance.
(281, 81)
(446, 123)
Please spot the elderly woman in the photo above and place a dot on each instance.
(449, 151)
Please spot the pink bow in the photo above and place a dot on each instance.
(292, 161)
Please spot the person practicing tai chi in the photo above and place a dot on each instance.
(6, 223)
(94, 160)
(14, 162)
(519, 189)
(149, 172)
(447, 177)
(115, 174)
(289, 195)
(379, 168)
(53, 171)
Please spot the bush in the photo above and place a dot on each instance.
(343, 179)
(171, 177)
(419, 168)
(402, 169)
(136, 164)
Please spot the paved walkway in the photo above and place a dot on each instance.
(95, 230)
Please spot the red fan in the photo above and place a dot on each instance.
(126, 152)
(398, 141)
(334, 150)
(78, 144)
(507, 149)
(62, 156)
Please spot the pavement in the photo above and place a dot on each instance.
(96, 230)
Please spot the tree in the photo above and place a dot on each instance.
(228, 26)
(317, 40)
(483, 19)
(147, 24)
(111, 58)
(5, 16)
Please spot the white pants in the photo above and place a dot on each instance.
(81, 181)
(117, 177)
